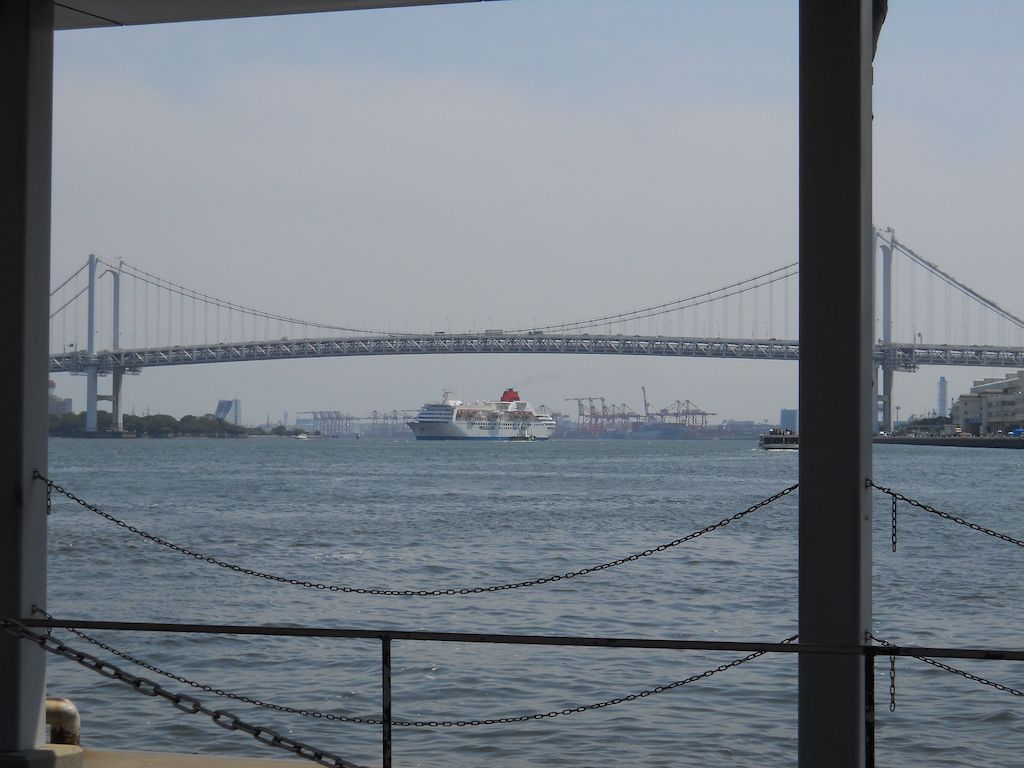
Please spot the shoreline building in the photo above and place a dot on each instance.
(230, 411)
(992, 405)
(58, 406)
(789, 418)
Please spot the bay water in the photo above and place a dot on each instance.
(397, 514)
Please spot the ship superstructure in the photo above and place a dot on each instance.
(510, 418)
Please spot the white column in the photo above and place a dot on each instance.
(836, 319)
(26, 93)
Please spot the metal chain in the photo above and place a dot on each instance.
(944, 515)
(417, 723)
(187, 704)
(415, 592)
(955, 670)
(209, 688)
(49, 498)
(892, 683)
(610, 702)
(893, 523)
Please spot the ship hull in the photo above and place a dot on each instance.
(496, 431)
(778, 441)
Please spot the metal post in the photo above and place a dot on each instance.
(869, 710)
(26, 96)
(91, 371)
(385, 669)
(836, 368)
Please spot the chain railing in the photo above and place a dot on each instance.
(52, 486)
(188, 704)
(896, 497)
(319, 715)
(427, 723)
(938, 665)
(385, 637)
(182, 702)
(270, 737)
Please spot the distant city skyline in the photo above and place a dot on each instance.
(486, 163)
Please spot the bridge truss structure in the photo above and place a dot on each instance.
(176, 318)
(903, 357)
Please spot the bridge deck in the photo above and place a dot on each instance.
(905, 357)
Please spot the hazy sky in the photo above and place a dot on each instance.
(489, 164)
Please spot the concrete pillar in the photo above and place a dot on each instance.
(117, 417)
(26, 96)
(836, 368)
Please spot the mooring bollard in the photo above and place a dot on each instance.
(64, 721)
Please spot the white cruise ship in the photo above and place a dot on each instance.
(509, 418)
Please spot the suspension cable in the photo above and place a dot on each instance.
(679, 304)
(952, 281)
(175, 288)
(74, 274)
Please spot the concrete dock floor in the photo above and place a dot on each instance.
(106, 758)
(64, 756)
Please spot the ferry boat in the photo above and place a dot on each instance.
(779, 440)
(510, 418)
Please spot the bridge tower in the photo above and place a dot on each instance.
(888, 369)
(92, 397)
(91, 370)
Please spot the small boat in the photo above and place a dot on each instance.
(779, 440)
(302, 436)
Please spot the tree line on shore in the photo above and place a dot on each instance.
(161, 425)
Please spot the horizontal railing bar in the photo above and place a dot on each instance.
(443, 637)
(567, 640)
(985, 654)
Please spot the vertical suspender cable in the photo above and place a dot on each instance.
(785, 308)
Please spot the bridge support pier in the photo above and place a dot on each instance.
(117, 420)
(91, 397)
(114, 398)
(886, 397)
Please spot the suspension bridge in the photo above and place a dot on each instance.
(155, 323)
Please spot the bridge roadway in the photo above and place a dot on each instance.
(906, 357)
